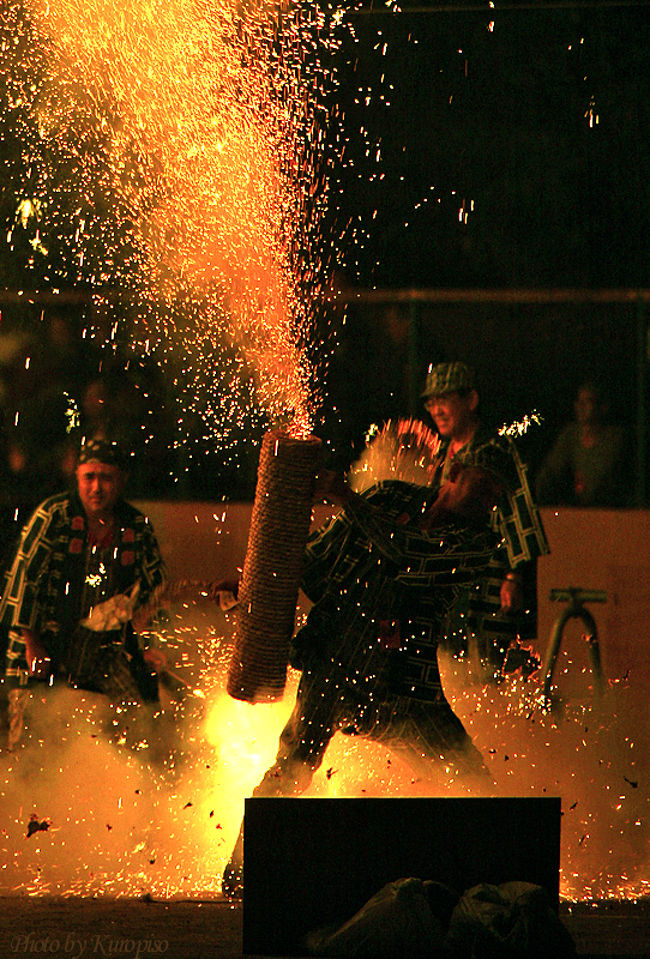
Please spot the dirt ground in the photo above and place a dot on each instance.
(81, 928)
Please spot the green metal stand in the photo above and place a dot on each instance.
(575, 610)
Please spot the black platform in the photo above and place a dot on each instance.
(310, 862)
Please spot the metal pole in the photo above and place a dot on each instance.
(641, 491)
(574, 610)
(414, 358)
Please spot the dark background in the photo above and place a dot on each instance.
(499, 117)
(459, 157)
(510, 158)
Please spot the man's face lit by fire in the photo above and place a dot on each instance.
(453, 413)
(100, 486)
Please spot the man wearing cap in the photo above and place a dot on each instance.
(501, 605)
(86, 562)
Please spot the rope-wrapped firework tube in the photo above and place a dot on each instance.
(268, 591)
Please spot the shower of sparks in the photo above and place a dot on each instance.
(199, 128)
(521, 427)
(173, 162)
(72, 413)
(403, 449)
(156, 810)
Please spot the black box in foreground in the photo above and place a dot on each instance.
(310, 862)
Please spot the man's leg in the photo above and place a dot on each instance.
(16, 703)
(303, 742)
(429, 736)
(113, 677)
(133, 716)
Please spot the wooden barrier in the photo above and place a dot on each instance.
(591, 549)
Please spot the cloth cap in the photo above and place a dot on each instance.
(104, 451)
(448, 378)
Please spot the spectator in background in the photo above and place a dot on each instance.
(589, 464)
(57, 386)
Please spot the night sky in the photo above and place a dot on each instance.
(507, 153)
(513, 151)
(468, 147)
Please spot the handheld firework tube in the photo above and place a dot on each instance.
(268, 591)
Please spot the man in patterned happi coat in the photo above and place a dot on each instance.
(87, 561)
(499, 609)
(382, 575)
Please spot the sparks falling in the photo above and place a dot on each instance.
(173, 157)
(125, 819)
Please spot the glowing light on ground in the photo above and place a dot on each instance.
(128, 820)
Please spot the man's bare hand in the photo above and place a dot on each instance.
(155, 659)
(38, 658)
(225, 592)
(470, 493)
(511, 594)
(224, 586)
(142, 618)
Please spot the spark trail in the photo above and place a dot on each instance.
(173, 156)
(123, 822)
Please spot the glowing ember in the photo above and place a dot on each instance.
(172, 153)
(127, 821)
(521, 427)
(403, 450)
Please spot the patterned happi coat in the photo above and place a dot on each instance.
(521, 539)
(381, 589)
(58, 576)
